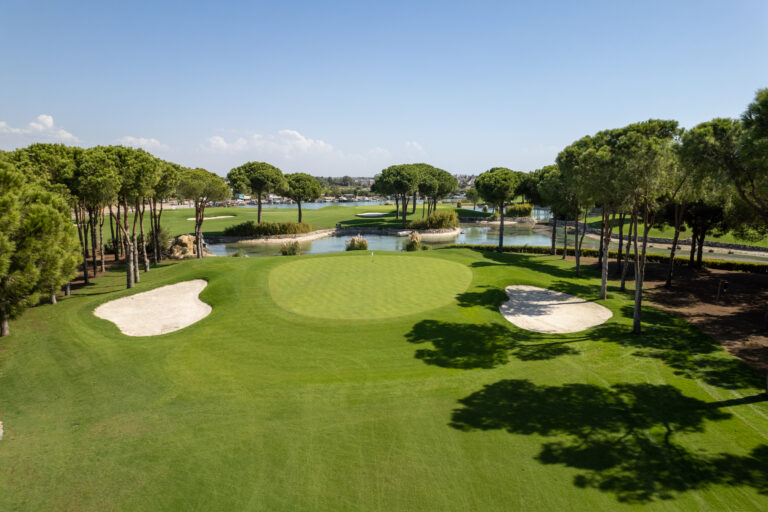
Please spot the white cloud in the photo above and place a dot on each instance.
(218, 143)
(141, 142)
(41, 129)
(293, 151)
(284, 143)
(412, 145)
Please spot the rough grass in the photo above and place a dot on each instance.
(258, 408)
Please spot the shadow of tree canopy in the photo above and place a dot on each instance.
(535, 262)
(669, 339)
(461, 345)
(490, 298)
(621, 437)
(682, 347)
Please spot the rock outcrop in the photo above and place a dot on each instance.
(183, 246)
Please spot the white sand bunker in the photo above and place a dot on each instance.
(214, 218)
(159, 311)
(370, 214)
(540, 310)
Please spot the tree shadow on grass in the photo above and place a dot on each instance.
(461, 345)
(682, 347)
(489, 297)
(535, 262)
(621, 437)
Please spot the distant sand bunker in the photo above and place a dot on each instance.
(540, 310)
(370, 214)
(214, 218)
(159, 311)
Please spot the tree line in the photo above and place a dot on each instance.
(407, 182)
(57, 200)
(712, 178)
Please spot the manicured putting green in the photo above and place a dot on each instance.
(361, 286)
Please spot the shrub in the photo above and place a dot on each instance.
(438, 220)
(110, 245)
(290, 248)
(251, 228)
(458, 204)
(414, 242)
(165, 239)
(357, 243)
(519, 210)
(240, 254)
(485, 208)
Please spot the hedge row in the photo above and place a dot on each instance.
(739, 266)
(438, 220)
(519, 210)
(251, 228)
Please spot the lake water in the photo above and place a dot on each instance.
(471, 234)
(539, 213)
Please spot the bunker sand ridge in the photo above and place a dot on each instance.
(547, 311)
(159, 311)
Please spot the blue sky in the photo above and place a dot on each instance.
(351, 87)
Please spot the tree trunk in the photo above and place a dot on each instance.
(153, 230)
(199, 216)
(299, 203)
(576, 251)
(581, 241)
(126, 240)
(640, 271)
(92, 219)
(143, 244)
(413, 208)
(68, 289)
(625, 263)
(397, 207)
(405, 209)
(501, 230)
(679, 208)
(119, 240)
(5, 329)
(134, 243)
(694, 234)
(565, 236)
(423, 205)
(112, 231)
(83, 241)
(53, 295)
(700, 248)
(622, 217)
(554, 234)
(606, 243)
(101, 239)
(129, 281)
(159, 221)
(602, 238)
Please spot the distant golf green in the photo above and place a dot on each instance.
(451, 408)
(367, 286)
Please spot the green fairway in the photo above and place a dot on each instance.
(435, 404)
(367, 286)
(177, 223)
